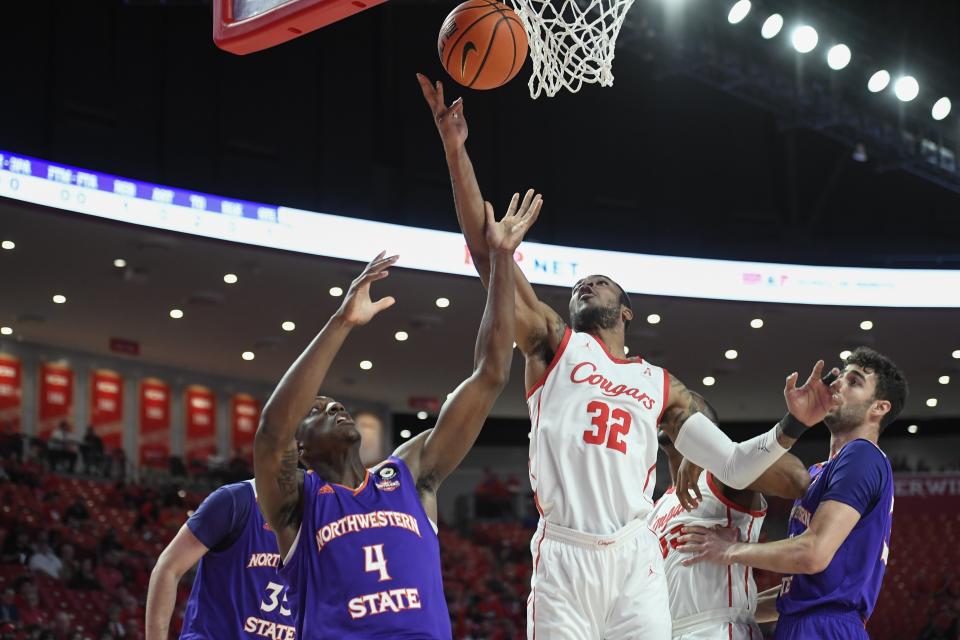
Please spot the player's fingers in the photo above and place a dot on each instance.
(815, 374)
(440, 98)
(512, 205)
(383, 303)
(791, 382)
(429, 94)
(695, 528)
(488, 213)
(527, 199)
(379, 265)
(696, 490)
(693, 560)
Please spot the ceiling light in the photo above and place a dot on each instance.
(6, 331)
(709, 381)
(944, 379)
(838, 56)
(405, 434)
(941, 108)
(845, 354)
(119, 263)
(879, 81)
(230, 278)
(626, 350)
(866, 325)
(731, 354)
(247, 355)
(8, 244)
(443, 303)
(756, 323)
(804, 39)
(956, 354)
(176, 314)
(912, 429)
(931, 402)
(336, 292)
(738, 11)
(771, 26)
(288, 326)
(366, 365)
(906, 88)
(59, 299)
(400, 336)
(422, 415)
(653, 318)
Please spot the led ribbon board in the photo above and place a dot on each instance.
(105, 196)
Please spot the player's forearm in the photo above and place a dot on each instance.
(767, 605)
(295, 393)
(468, 201)
(494, 349)
(797, 555)
(161, 600)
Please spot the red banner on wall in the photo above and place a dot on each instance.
(10, 390)
(245, 416)
(106, 407)
(917, 493)
(55, 396)
(200, 410)
(154, 423)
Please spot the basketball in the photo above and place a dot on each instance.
(482, 44)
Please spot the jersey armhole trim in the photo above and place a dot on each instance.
(666, 397)
(567, 333)
(293, 547)
(727, 502)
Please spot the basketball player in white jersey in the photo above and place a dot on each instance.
(598, 572)
(709, 601)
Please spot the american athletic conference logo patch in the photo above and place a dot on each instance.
(388, 478)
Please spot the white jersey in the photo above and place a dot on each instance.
(706, 594)
(593, 437)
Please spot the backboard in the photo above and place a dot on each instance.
(246, 26)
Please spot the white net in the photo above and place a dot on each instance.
(571, 41)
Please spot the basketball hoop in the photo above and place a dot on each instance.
(571, 41)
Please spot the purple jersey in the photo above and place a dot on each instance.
(237, 594)
(859, 476)
(366, 562)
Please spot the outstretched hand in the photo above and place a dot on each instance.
(688, 482)
(358, 308)
(814, 400)
(450, 120)
(707, 544)
(508, 233)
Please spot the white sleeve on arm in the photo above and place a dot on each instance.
(735, 464)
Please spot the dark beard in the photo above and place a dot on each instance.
(595, 318)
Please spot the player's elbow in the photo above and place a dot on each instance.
(814, 559)
(493, 376)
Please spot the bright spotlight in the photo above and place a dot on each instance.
(771, 26)
(866, 325)
(941, 108)
(421, 415)
(912, 429)
(944, 379)
(804, 39)
(739, 11)
(838, 56)
(756, 323)
(709, 381)
(879, 81)
(405, 434)
(906, 88)
(846, 353)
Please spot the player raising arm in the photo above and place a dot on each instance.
(593, 444)
(359, 548)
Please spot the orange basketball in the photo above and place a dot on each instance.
(482, 44)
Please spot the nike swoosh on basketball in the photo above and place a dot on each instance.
(467, 48)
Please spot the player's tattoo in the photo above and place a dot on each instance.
(683, 404)
(287, 475)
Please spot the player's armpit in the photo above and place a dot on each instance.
(786, 478)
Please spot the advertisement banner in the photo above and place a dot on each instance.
(201, 432)
(154, 444)
(106, 407)
(55, 398)
(10, 391)
(245, 416)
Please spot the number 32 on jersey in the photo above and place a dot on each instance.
(609, 427)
